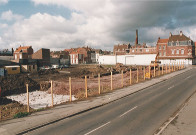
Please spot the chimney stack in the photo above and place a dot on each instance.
(136, 40)
(181, 33)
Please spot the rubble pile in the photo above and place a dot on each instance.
(16, 84)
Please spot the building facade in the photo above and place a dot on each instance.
(24, 52)
(177, 48)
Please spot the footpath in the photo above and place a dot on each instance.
(42, 118)
(185, 121)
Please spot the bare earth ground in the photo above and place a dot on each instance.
(16, 84)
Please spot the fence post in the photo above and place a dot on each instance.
(52, 94)
(154, 70)
(149, 71)
(183, 65)
(159, 70)
(179, 66)
(86, 92)
(70, 98)
(27, 87)
(137, 76)
(1, 115)
(111, 82)
(166, 68)
(130, 77)
(144, 73)
(122, 77)
(99, 83)
(169, 68)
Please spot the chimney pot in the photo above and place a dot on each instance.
(170, 34)
(181, 33)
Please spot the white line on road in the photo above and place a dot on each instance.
(187, 77)
(128, 111)
(171, 87)
(97, 128)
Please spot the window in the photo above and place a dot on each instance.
(177, 43)
(164, 54)
(147, 50)
(33, 66)
(163, 47)
(15, 56)
(159, 47)
(132, 51)
(182, 51)
(140, 50)
(14, 68)
(172, 51)
(20, 56)
(177, 51)
(160, 54)
(29, 68)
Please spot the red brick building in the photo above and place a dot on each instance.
(81, 55)
(121, 49)
(24, 52)
(177, 48)
(142, 49)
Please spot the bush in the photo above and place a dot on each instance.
(21, 114)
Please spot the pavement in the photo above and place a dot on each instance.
(185, 121)
(39, 119)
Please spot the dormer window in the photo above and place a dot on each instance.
(177, 43)
(189, 42)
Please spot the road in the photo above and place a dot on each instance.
(141, 113)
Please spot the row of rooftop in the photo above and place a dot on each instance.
(174, 47)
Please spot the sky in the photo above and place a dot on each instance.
(61, 24)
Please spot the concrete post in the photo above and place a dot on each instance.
(86, 92)
(154, 71)
(130, 77)
(166, 68)
(111, 82)
(27, 87)
(70, 94)
(99, 83)
(149, 72)
(159, 70)
(144, 73)
(52, 93)
(122, 78)
(137, 76)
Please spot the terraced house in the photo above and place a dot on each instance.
(176, 49)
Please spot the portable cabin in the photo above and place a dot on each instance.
(12, 69)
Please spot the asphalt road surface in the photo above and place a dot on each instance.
(141, 113)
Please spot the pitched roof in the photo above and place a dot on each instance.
(178, 38)
(162, 40)
(22, 48)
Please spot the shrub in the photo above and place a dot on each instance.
(21, 114)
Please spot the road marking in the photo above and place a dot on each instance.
(187, 77)
(128, 111)
(171, 87)
(97, 128)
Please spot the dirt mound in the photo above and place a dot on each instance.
(16, 84)
(48, 71)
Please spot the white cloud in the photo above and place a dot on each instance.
(3, 1)
(9, 16)
(100, 23)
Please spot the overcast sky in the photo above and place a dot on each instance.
(60, 24)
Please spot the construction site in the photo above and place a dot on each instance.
(13, 87)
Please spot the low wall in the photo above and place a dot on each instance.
(144, 59)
